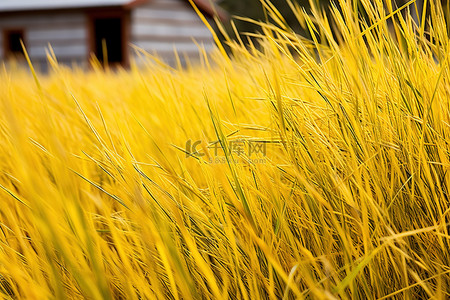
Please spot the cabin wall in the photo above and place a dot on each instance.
(158, 27)
(162, 25)
(65, 31)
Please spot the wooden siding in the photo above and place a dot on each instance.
(164, 25)
(66, 32)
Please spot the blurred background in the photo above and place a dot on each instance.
(119, 32)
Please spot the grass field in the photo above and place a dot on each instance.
(299, 169)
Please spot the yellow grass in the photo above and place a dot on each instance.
(102, 199)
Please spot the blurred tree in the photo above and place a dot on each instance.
(253, 9)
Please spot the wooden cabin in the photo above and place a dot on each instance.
(78, 29)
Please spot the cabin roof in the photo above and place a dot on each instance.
(29, 5)
(35, 5)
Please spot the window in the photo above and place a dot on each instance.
(12, 43)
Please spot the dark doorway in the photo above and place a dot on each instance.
(108, 38)
(12, 41)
